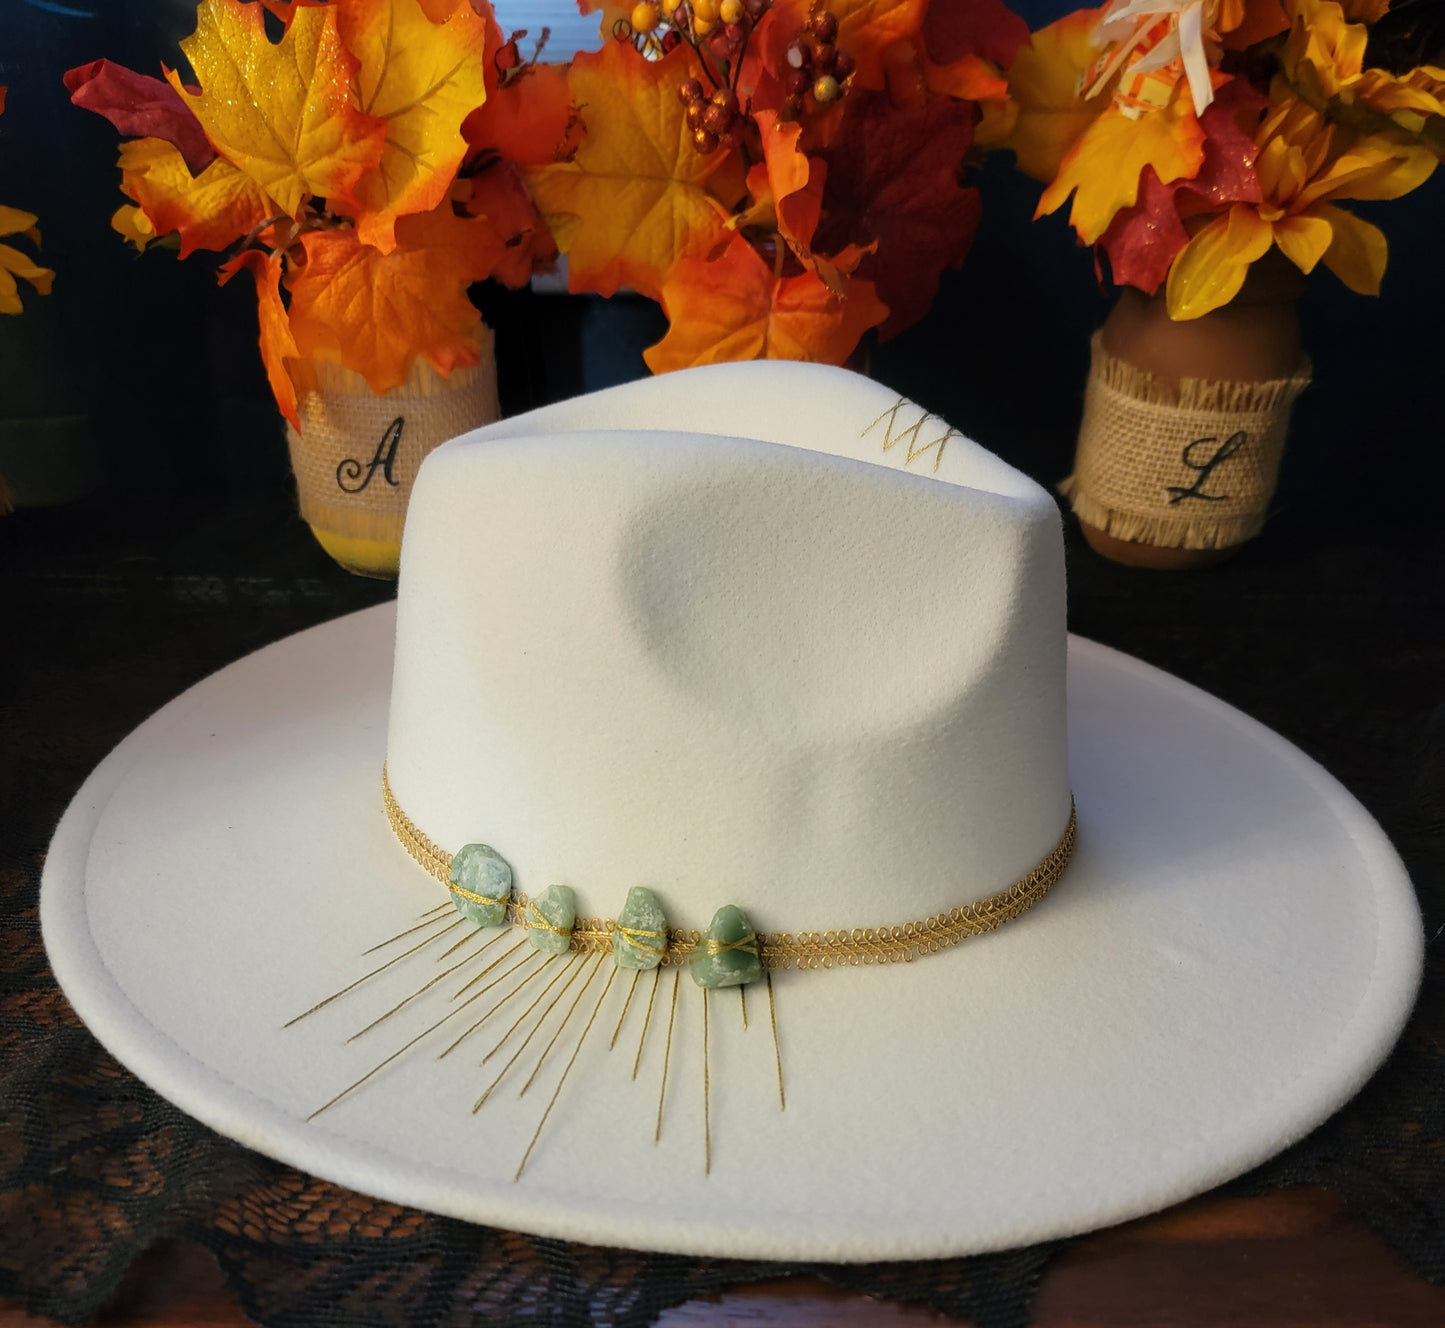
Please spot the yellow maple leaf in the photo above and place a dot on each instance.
(14, 263)
(1044, 83)
(208, 211)
(283, 114)
(638, 197)
(133, 226)
(1102, 169)
(422, 79)
(736, 308)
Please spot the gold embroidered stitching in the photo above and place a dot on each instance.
(911, 433)
(788, 950)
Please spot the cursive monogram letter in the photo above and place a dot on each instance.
(351, 470)
(1205, 467)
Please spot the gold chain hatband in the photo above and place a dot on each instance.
(789, 950)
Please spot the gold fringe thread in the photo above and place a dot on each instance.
(1192, 467)
(345, 426)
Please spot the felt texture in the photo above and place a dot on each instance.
(1100, 1057)
(825, 684)
(1231, 952)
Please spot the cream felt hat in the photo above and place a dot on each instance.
(759, 635)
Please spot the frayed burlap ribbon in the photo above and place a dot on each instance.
(1191, 467)
(357, 454)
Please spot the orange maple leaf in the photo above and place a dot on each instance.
(736, 308)
(282, 113)
(638, 197)
(208, 211)
(529, 120)
(278, 345)
(498, 198)
(375, 313)
(795, 179)
(422, 79)
(868, 28)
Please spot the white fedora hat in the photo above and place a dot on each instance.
(762, 636)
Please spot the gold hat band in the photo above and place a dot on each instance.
(898, 944)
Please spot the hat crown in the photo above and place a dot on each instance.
(729, 668)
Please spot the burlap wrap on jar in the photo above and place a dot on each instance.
(1192, 467)
(357, 453)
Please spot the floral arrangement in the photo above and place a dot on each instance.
(14, 262)
(1197, 136)
(781, 176)
(362, 160)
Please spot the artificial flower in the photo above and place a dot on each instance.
(1304, 164)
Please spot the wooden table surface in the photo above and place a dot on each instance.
(1292, 1257)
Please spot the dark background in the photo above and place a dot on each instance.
(164, 363)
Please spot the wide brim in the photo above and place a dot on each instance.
(1232, 951)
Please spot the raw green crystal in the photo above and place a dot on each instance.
(481, 870)
(558, 905)
(729, 955)
(641, 915)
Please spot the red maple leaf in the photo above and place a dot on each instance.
(989, 28)
(1143, 241)
(893, 180)
(140, 107)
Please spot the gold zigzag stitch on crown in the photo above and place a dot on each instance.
(789, 950)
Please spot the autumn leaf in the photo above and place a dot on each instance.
(498, 198)
(283, 113)
(867, 28)
(375, 313)
(133, 226)
(1044, 82)
(208, 211)
(968, 78)
(795, 180)
(638, 197)
(14, 263)
(735, 308)
(529, 119)
(278, 345)
(1142, 241)
(893, 180)
(611, 11)
(286, 10)
(140, 107)
(422, 79)
(1102, 169)
(989, 29)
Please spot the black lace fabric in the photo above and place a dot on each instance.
(1331, 646)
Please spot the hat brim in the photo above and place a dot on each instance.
(1232, 951)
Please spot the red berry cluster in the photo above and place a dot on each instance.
(715, 121)
(816, 67)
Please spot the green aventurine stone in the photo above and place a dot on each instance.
(729, 968)
(558, 904)
(641, 913)
(483, 871)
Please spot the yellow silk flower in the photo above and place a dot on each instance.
(1323, 59)
(1304, 163)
